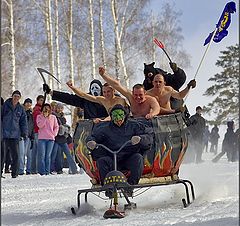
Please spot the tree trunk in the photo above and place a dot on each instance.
(115, 20)
(92, 38)
(48, 20)
(12, 47)
(58, 68)
(153, 36)
(117, 62)
(70, 45)
(101, 34)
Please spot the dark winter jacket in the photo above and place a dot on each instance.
(229, 142)
(30, 124)
(14, 120)
(197, 127)
(113, 137)
(61, 138)
(91, 110)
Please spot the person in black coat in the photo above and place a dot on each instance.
(197, 128)
(229, 144)
(114, 134)
(91, 110)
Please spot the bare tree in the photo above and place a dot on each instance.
(101, 33)
(153, 34)
(70, 44)
(92, 38)
(118, 41)
(58, 68)
(48, 21)
(11, 38)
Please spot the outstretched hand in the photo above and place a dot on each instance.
(102, 70)
(191, 84)
(173, 66)
(70, 84)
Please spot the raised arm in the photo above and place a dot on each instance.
(82, 94)
(115, 84)
(180, 95)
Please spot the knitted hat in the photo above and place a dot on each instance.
(28, 100)
(16, 92)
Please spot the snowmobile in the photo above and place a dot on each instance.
(161, 164)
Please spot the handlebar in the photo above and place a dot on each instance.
(134, 140)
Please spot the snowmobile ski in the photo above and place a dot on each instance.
(111, 213)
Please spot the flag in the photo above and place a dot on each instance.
(222, 24)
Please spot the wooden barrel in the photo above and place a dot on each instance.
(165, 157)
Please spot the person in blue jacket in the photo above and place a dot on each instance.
(114, 134)
(14, 126)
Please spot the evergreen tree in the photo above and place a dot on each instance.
(226, 87)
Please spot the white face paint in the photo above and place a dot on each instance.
(95, 89)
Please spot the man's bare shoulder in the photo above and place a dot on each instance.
(168, 88)
(150, 98)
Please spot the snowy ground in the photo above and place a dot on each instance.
(46, 200)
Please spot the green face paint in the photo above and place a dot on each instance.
(118, 115)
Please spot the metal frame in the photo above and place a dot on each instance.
(186, 201)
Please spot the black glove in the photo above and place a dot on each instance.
(192, 84)
(46, 88)
(173, 66)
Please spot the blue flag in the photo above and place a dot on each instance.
(223, 23)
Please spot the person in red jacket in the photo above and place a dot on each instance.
(36, 112)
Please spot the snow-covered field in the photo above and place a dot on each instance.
(46, 200)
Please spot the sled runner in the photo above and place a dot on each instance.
(161, 164)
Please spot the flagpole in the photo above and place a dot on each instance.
(210, 42)
(215, 31)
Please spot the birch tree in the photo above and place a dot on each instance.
(118, 41)
(92, 38)
(48, 21)
(58, 68)
(103, 55)
(70, 37)
(153, 36)
(11, 37)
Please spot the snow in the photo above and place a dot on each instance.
(46, 200)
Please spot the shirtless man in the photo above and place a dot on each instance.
(141, 105)
(108, 100)
(163, 93)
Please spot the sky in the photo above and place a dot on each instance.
(197, 21)
(34, 200)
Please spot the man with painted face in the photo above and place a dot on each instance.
(114, 134)
(91, 110)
